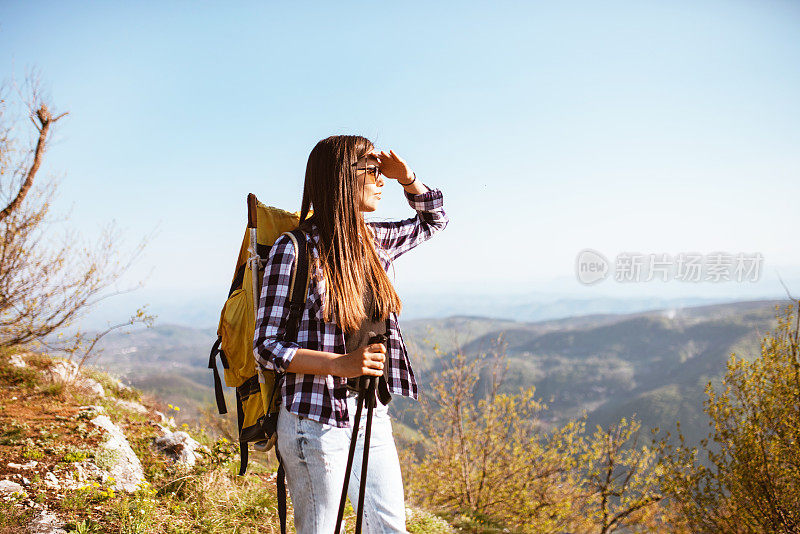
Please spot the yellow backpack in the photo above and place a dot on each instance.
(257, 390)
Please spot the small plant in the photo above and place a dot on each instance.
(47, 434)
(106, 458)
(11, 514)
(134, 514)
(82, 497)
(223, 451)
(75, 456)
(84, 526)
(13, 433)
(31, 453)
(18, 376)
(54, 389)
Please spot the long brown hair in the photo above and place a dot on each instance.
(347, 250)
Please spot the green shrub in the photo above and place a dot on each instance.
(106, 458)
(84, 526)
(134, 514)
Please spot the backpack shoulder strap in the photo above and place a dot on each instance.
(298, 285)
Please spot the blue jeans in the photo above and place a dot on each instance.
(315, 457)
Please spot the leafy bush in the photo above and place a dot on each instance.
(750, 479)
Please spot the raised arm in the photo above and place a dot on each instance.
(398, 237)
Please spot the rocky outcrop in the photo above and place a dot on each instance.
(19, 467)
(98, 463)
(117, 457)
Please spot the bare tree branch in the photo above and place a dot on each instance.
(45, 121)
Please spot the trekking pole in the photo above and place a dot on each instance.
(371, 380)
(350, 455)
(366, 390)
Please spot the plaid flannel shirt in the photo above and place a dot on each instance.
(323, 397)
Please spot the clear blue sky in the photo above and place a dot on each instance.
(549, 127)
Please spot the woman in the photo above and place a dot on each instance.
(350, 294)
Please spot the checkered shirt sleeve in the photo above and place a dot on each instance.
(273, 310)
(398, 237)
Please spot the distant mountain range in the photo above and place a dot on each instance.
(654, 364)
(203, 310)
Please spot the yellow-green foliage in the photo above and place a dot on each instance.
(751, 479)
(486, 460)
(491, 467)
(620, 484)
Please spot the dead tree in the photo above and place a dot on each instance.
(48, 277)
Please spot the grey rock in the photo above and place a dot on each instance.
(51, 481)
(46, 523)
(62, 371)
(8, 486)
(29, 465)
(91, 386)
(67, 372)
(123, 464)
(178, 446)
(132, 406)
(16, 360)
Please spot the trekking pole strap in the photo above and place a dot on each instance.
(281, 491)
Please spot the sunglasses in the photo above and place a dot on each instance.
(371, 171)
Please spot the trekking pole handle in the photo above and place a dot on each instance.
(367, 383)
